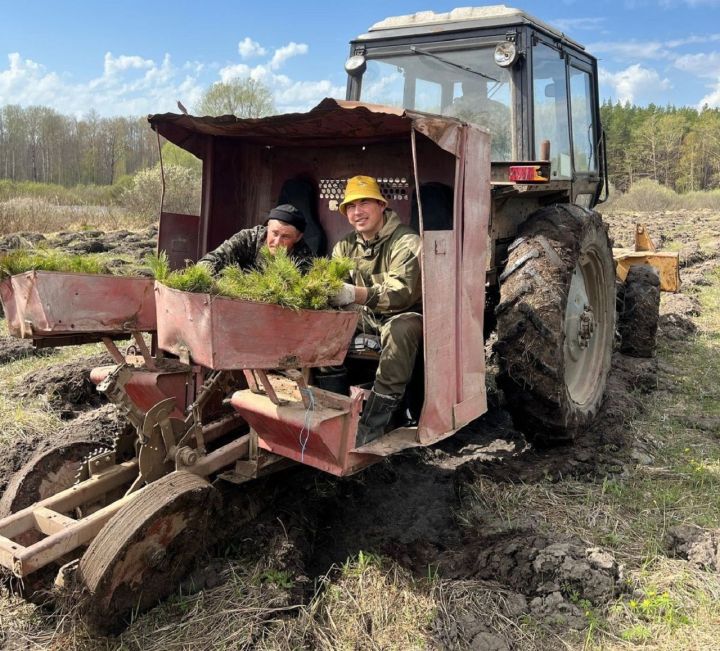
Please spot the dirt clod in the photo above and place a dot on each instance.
(701, 547)
(12, 349)
(67, 386)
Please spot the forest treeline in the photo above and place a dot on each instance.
(39, 144)
(678, 147)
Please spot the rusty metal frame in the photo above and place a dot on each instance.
(64, 534)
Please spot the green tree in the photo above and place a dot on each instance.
(143, 195)
(244, 98)
(174, 155)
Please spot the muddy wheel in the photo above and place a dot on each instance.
(141, 555)
(45, 474)
(640, 312)
(556, 322)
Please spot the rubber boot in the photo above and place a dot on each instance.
(375, 417)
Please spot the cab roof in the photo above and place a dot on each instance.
(462, 18)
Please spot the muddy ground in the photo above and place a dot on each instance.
(405, 508)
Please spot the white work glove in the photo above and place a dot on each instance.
(345, 296)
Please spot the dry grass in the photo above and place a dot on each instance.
(37, 215)
(370, 605)
(22, 420)
(648, 195)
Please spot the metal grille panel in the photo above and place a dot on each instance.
(393, 188)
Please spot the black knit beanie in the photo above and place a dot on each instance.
(288, 214)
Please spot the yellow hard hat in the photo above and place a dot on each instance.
(361, 187)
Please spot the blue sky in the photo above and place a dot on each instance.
(133, 58)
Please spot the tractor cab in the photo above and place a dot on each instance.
(533, 88)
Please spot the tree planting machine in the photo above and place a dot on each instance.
(482, 128)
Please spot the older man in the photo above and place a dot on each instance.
(386, 283)
(283, 228)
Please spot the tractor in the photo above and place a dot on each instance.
(482, 128)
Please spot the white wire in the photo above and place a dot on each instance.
(305, 431)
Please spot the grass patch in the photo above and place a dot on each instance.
(25, 214)
(671, 604)
(21, 420)
(648, 195)
(370, 605)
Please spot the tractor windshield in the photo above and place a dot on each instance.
(462, 82)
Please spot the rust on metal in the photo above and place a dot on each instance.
(224, 333)
(51, 303)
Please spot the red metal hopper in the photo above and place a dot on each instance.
(51, 303)
(226, 333)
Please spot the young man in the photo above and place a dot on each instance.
(283, 228)
(386, 283)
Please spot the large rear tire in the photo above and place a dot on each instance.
(141, 555)
(556, 322)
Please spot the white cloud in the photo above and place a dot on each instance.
(128, 84)
(295, 96)
(248, 48)
(27, 82)
(634, 84)
(694, 40)
(701, 65)
(711, 99)
(577, 24)
(289, 95)
(286, 52)
(237, 71)
(122, 63)
(629, 50)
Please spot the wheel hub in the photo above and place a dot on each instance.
(579, 317)
(586, 327)
(585, 334)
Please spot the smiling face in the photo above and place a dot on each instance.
(280, 234)
(365, 216)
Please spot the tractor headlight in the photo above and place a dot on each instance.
(505, 54)
(355, 65)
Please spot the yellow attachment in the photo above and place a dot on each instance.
(361, 187)
(667, 263)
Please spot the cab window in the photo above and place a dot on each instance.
(550, 109)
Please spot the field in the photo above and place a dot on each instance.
(482, 542)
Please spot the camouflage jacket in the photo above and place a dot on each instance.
(243, 249)
(388, 265)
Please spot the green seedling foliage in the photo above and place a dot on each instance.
(658, 607)
(21, 260)
(195, 278)
(159, 265)
(278, 280)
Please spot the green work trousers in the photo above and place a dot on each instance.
(400, 337)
